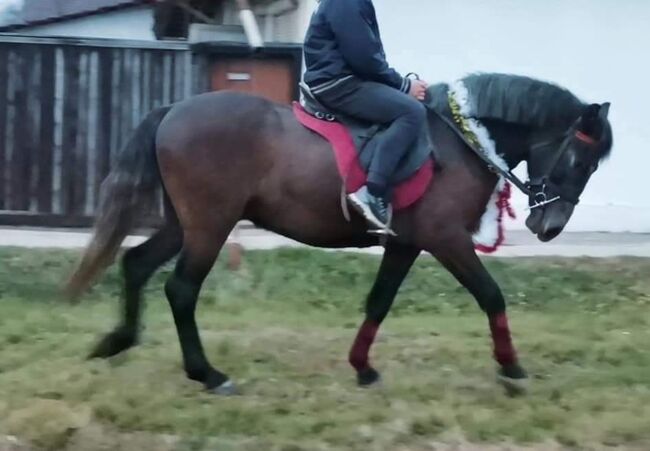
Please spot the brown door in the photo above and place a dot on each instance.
(269, 78)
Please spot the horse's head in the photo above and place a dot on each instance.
(560, 168)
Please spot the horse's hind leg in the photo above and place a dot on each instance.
(201, 247)
(138, 265)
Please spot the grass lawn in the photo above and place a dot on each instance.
(281, 328)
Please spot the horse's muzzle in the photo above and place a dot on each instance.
(549, 222)
(548, 234)
(534, 220)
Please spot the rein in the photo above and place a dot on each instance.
(478, 150)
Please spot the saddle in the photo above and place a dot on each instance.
(364, 133)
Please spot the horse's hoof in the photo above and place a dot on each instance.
(112, 344)
(228, 388)
(514, 379)
(368, 377)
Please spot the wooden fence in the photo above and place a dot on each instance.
(66, 108)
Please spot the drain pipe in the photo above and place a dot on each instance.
(251, 28)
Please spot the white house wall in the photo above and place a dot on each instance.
(132, 23)
(137, 24)
(292, 27)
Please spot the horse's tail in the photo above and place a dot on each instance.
(129, 188)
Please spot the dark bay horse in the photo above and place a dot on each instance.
(222, 157)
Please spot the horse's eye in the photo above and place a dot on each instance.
(579, 165)
(576, 164)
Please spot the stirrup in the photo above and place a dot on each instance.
(377, 226)
(382, 232)
(386, 230)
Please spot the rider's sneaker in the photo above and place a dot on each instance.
(375, 209)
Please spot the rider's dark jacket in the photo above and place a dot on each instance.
(343, 41)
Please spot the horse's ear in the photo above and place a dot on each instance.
(590, 120)
(591, 111)
(604, 111)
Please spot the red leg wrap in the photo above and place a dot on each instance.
(359, 353)
(504, 352)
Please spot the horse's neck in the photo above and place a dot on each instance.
(452, 154)
(512, 141)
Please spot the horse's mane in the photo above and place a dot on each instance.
(518, 100)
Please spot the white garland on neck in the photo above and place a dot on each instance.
(487, 235)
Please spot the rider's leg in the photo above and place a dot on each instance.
(381, 104)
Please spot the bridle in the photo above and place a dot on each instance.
(537, 189)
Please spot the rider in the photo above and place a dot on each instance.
(347, 71)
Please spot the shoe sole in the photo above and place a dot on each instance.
(365, 211)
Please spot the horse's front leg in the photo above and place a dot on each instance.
(395, 265)
(459, 257)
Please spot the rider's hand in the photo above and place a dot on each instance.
(418, 89)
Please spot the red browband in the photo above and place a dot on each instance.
(586, 138)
